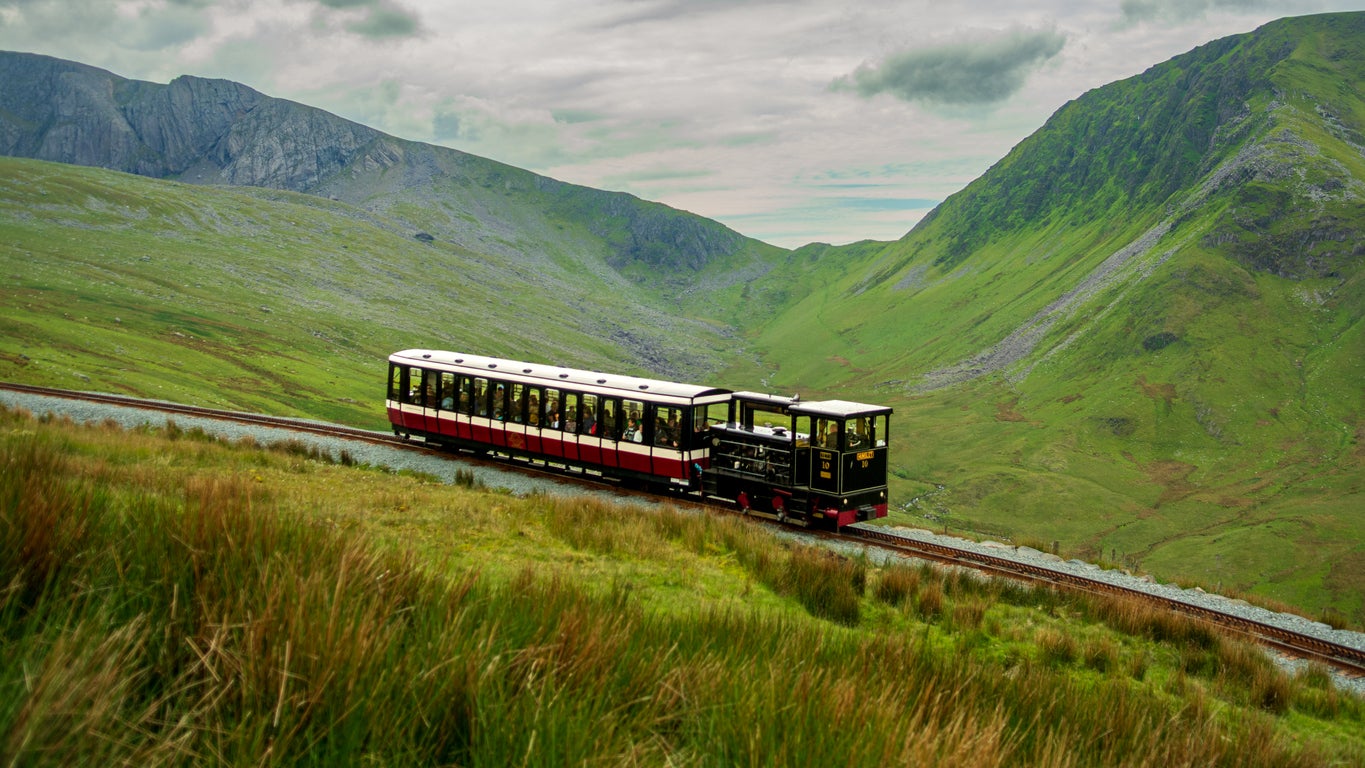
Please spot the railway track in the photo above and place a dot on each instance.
(162, 406)
(1346, 659)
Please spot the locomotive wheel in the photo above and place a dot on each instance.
(742, 501)
(780, 507)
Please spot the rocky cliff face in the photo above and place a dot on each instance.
(194, 129)
(205, 131)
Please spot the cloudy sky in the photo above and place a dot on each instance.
(792, 121)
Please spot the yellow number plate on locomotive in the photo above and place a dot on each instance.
(865, 455)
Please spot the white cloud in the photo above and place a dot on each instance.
(982, 69)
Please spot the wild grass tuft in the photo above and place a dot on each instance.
(896, 584)
(1056, 646)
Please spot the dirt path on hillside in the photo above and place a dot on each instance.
(1126, 264)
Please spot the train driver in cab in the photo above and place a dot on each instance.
(832, 436)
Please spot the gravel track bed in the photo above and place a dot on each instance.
(522, 484)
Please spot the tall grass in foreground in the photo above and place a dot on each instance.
(154, 623)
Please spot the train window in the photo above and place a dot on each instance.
(667, 427)
(447, 391)
(431, 382)
(480, 396)
(516, 405)
(588, 415)
(802, 431)
(533, 400)
(499, 405)
(881, 430)
(715, 413)
(827, 433)
(415, 385)
(466, 403)
(552, 418)
(607, 425)
(861, 433)
(570, 412)
(633, 411)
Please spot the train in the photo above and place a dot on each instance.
(808, 463)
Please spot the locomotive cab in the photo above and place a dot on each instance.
(811, 462)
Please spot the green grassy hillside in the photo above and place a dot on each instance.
(288, 303)
(1140, 334)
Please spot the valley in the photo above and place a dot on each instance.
(1139, 335)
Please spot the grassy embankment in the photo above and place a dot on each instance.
(171, 598)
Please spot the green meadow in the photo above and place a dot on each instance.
(174, 599)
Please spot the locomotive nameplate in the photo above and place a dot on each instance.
(826, 465)
(865, 455)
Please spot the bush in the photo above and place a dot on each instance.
(1159, 341)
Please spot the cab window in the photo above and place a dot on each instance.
(859, 433)
(827, 434)
(880, 430)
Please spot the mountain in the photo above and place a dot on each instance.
(1140, 333)
(216, 132)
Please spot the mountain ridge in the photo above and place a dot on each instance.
(212, 131)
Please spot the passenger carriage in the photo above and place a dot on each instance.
(622, 426)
